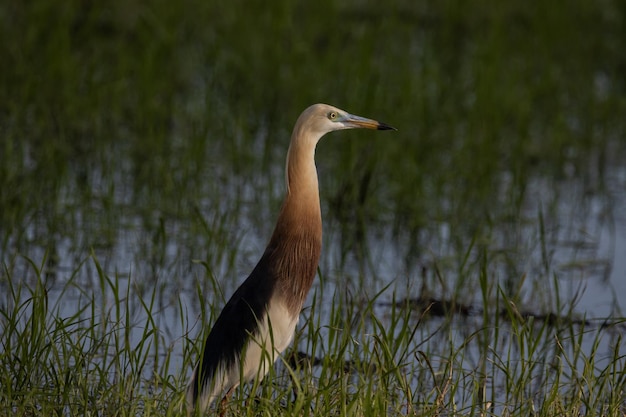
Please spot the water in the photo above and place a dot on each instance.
(566, 241)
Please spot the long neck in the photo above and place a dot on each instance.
(295, 247)
(301, 176)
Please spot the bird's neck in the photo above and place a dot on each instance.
(302, 200)
(295, 245)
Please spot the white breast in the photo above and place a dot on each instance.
(275, 333)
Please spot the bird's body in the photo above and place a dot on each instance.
(259, 320)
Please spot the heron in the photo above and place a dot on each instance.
(258, 322)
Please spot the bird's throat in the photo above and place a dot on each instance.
(296, 243)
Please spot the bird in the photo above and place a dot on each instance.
(258, 322)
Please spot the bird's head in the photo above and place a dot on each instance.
(320, 119)
(313, 123)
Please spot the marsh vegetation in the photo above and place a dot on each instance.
(473, 262)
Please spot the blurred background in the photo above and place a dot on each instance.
(148, 139)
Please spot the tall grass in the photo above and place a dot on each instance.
(105, 355)
(109, 356)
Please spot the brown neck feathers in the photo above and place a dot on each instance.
(295, 247)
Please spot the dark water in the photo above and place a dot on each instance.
(565, 255)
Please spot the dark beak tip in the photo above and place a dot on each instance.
(384, 126)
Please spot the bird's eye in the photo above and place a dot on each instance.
(332, 115)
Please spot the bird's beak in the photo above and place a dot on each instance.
(353, 121)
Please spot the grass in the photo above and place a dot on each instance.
(95, 359)
(109, 355)
(141, 157)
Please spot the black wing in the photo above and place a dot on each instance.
(238, 320)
